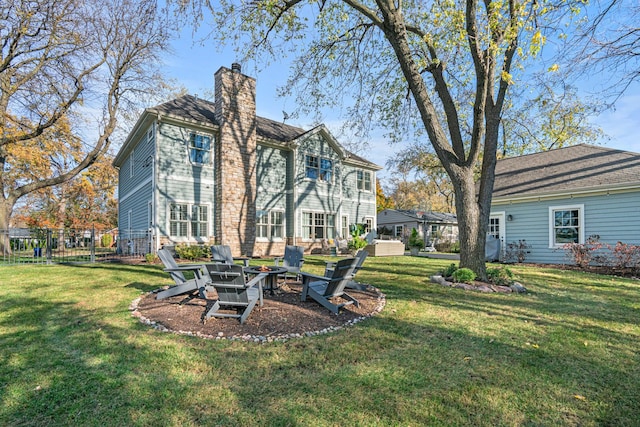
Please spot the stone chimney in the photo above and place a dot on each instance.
(235, 165)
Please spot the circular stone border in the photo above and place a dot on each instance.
(260, 339)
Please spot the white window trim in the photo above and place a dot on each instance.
(303, 225)
(212, 142)
(132, 163)
(371, 180)
(189, 237)
(320, 158)
(199, 239)
(269, 225)
(395, 230)
(373, 223)
(502, 232)
(347, 235)
(581, 233)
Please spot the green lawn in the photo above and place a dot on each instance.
(566, 353)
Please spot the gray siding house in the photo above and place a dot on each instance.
(434, 227)
(198, 172)
(565, 196)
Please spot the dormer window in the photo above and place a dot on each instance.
(318, 168)
(200, 149)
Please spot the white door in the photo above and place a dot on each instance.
(497, 229)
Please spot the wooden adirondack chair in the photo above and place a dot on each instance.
(183, 285)
(292, 260)
(234, 292)
(222, 254)
(361, 255)
(323, 289)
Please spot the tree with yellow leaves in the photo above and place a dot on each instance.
(443, 67)
(382, 201)
(69, 69)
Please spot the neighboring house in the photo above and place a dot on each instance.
(198, 172)
(565, 196)
(435, 227)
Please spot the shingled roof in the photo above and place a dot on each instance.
(193, 109)
(566, 170)
(430, 216)
(190, 108)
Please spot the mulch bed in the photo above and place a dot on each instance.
(282, 317)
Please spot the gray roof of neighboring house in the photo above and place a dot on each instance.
(190, 107)
(429, 216)
(571, 169)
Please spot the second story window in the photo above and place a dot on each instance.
(200, 149)
(132, 157)
(318, 168)
(363, 180)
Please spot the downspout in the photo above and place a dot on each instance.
(375, 201)
(295, 194)
(154, 189)
(338, 220)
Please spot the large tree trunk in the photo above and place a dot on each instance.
(6, 208)
(471, 225)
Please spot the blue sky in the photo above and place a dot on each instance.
(193, 66)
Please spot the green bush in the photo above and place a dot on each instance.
(500, 276)
(448, 272)
(106, 240)
(455, 247)
(192, 252)
(415, 240)
(357, 243)
(151, 258)
(463, 275)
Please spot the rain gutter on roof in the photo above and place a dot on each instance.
(366, 164)
(273, 143)
(599, 190)
(168, 118)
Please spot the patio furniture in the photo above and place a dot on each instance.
(361, 255)
(292, 260)
(323, 289)
(222, 254)
(385, 248)
(272, 272)
(183, 285)
(235, 294)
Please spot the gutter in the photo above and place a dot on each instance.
(627, 187)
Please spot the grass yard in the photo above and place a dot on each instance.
(565, 354)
